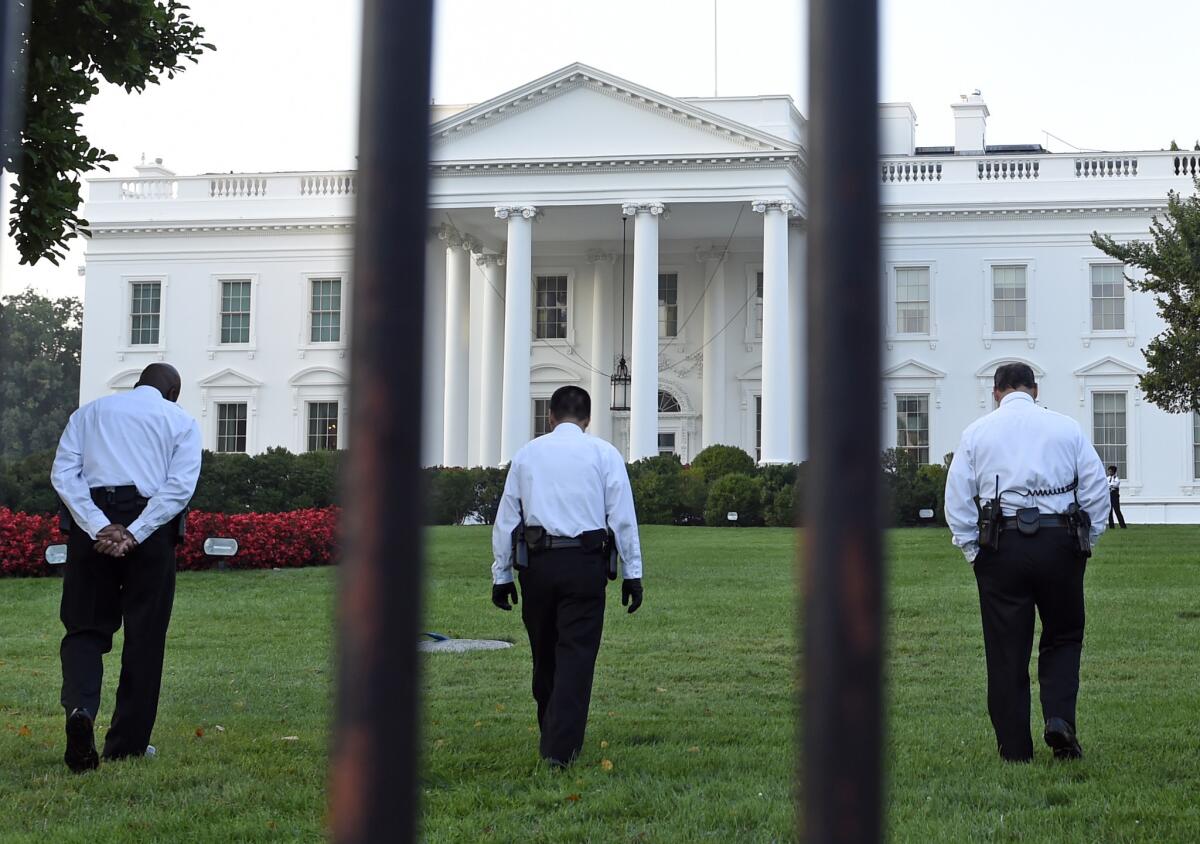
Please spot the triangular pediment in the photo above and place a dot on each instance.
(1110, 366)
(913, 369)
(229, 378)
(583, 113)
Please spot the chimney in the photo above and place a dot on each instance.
(970, 124)
(153, 171)
(897, 129)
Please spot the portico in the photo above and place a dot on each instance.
(649, 228)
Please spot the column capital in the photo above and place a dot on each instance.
(529, 212)
(599, 256)
(762, 206)
(489, 259)
(630, 209)
(452, 237)
(471, 244)
(713, 253)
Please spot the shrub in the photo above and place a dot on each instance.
(734, 493)
(911, 487)
(693, 497)
(488, 485)
(26, 486)
(449, 495)
(272, 482)
(657, 488)
(717, 461)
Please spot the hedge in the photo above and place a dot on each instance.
(265, 540)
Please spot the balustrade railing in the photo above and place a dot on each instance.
(1105, 167)
(1007, 169)
(912, 171)
(149, 189)
(328, 185)
(238, 186)
(1187, 165)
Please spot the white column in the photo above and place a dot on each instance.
(643, 393)
(798, 332)
(435, 352)
(602, 342)
(491, 382)
(776, 364)
(713, 388)
(455, 412)
(516, 420)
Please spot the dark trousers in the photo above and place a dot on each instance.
(99, 593)
(562, 605)
(1039, 572)
(1114, 500)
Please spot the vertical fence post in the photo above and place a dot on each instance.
(374, 787)
(841, 781)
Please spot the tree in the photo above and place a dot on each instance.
(1171, 261)
(39, 371)
(71, 46)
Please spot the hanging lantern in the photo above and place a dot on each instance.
(620, 386)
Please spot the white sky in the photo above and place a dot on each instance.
(280, 93)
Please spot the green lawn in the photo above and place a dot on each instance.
(693, 708)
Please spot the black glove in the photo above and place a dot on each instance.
(501, 592)
(631, 590)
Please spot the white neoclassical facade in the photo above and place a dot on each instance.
(583, 219)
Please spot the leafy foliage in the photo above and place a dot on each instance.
(1171, 261)
(657, 488)
(275, 481)
(71, 46)
(911, 487)
(734, 493)
(717, 461)
(39, 371)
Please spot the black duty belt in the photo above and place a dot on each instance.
(550, 543)
(109, 496)
(1046, 520)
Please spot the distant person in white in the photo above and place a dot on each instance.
(126, 467)
(1043, 464)
(569, 489)
(1114, 497)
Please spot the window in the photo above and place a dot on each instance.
(758, 305)
(231, 428)
(1108, 297)
(667, 403)
(912, 425)
(235, 311)
(325, 315)
(1196, 444)
(666, 443)
(550, 316)
(758, 424)
(1008, 299)
(145, 305)
(912, 300)
(541, 417)
(1109, 431)
(322, 426)
(668, 304)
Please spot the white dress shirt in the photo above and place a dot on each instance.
(568, 483)
(1029, 448)
(129, 439)
(1114, 483)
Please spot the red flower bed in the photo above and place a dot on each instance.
(265, 540)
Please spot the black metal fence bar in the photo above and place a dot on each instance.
(375, 753)
(843, 728)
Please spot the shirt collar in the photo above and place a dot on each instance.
(145, 390)
(1016, 396)
(567, 427)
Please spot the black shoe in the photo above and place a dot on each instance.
(81, 742)
(1060, 736)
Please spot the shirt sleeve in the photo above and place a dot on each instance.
(179, 487)
(1093, 486)
(961, 489)
(508, 516)
(66, 476)
(621, 515)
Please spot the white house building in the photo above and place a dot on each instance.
(581, 220)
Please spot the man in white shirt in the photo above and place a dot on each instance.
(1038, 464)
(565, 490)
(126, 467)
(1114, 497)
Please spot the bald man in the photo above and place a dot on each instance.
(126, 467)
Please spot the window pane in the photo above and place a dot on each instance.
(541, 417)
(550, 303)
(912, 300)
(235, 312)
(144, 312)
(322, 426)
(1108, 297)
(1008, 299)
(758, 306)
(1109, 432)
(912, 425)
(326, 310)
(231, 427)
(668, 304)
(666, 443)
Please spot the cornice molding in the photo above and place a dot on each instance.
(618, 164)
(116, 230)
(600, 256)
(934, 215)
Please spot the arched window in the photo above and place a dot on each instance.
(667, 403)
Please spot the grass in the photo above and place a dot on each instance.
(693, 707)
